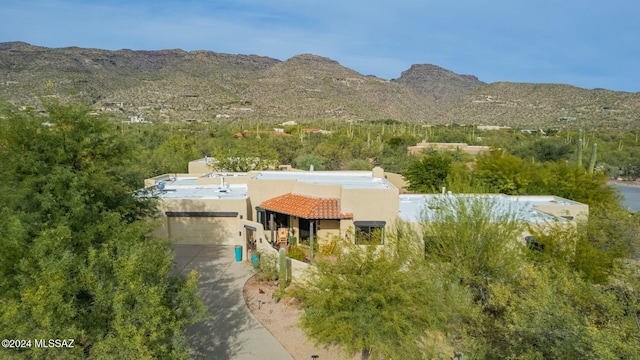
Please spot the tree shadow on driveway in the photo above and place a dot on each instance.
(234, 333)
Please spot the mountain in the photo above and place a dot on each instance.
(439, 85)
(175, 85)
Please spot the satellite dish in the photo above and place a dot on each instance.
(160, 185)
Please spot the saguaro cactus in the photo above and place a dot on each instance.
(592, 161)
(580, 147)
(283, 268)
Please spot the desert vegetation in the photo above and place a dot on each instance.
(176, 86)
(74, 228)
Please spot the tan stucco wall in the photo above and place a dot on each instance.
(316, 191)
(346, 229)
(261, 190)
(223, 229)
(229, 179)
(371, 204)
(224, 205)
(152, 181)
(580, 212)
(396, 180)
(199, 167)
(298, 270)
(328, 228)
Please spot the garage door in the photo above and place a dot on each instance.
(203, 228)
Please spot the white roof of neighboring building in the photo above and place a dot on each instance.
(348, 179)
(229, 191)
(542, 199)
(413, 207)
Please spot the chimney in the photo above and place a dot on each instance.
(378, 172)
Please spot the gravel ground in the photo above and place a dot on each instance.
(281, 319)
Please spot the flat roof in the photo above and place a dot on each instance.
(228, 191)
(543, 200)
(413, 207)
(204, 160)
(347, 179)
(176, 180)
(225, 175)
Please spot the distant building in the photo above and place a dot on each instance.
(317, 131)
(469, 149)
(118, 104)
(138, 120)
(533, 131)
(493, 127)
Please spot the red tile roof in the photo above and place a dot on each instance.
(305, 207)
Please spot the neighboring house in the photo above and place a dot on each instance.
(317, 131)
(137, 120)
(207, 164)
(493, 127)
(538, 212)
(469, 149)
(251, 209)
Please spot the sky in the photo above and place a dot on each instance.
(587, 43)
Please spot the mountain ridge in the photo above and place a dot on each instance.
(203, 85)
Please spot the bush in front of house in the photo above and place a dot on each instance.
(296, 253)
(268, 266)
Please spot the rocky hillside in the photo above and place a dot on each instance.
(441, 86)
(174, 85)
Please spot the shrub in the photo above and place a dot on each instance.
(328, 247)
(268, 266)
(296, 253)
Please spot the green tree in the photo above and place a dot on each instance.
(335, 153)
(380, 303)
(504, 173)
(358, 164)
(572, 182)
(429, 173)
(78, 261)
(305, 161)
(533, 303)
(547, 149)
(174, 154)
(476, 236)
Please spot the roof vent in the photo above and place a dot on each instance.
(160, 185)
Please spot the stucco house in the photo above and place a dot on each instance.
(266, 208)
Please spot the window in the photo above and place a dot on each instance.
(369, 232)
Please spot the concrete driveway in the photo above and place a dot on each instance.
(234, 333)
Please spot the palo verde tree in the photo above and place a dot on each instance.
(534, 303)
(77, 259)
(476, 236)
(429, 173)
(383, 303)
